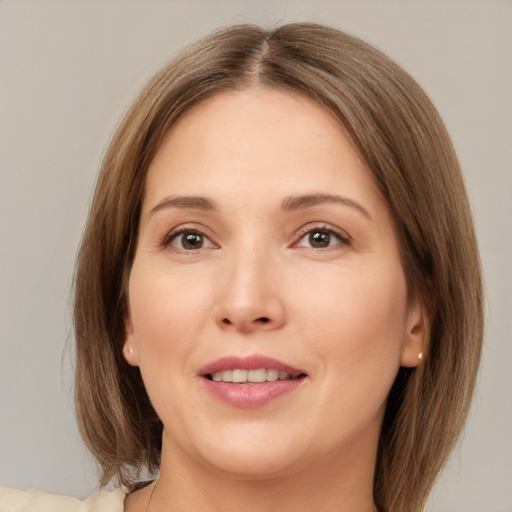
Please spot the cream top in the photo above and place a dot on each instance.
(36, 501)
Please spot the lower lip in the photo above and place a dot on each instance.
(250, 396)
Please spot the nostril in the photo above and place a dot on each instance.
(260, 320)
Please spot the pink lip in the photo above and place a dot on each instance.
(249, 396)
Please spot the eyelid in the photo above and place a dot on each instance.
(343, 236)
(174, 233)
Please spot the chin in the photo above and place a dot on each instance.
(254, 457)
(243, 466)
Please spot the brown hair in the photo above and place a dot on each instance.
(401, 137)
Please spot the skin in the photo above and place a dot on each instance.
(340, 311)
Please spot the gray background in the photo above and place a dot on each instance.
(68, 71)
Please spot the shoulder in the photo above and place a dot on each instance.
(12, 500)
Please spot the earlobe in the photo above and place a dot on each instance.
(416, 337)
(130, 348)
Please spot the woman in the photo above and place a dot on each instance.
(278, 293)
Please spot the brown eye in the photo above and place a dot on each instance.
(322, 238)
(189, 241)
(319, 239)
(192, 241)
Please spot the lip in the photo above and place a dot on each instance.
(253, 362)
(250, 396)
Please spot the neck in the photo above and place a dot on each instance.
(344, 484)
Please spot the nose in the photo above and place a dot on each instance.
(250, 298)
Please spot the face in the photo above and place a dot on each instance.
(268, 305)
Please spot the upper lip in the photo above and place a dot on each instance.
(253, 362)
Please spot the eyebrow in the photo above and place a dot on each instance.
(289, 204)
(184, 202)
(308, 201)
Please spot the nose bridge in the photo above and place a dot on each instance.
(249, 299)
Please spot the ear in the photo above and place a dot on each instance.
(416, 335)
(130, 346)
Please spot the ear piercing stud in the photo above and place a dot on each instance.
(420, 356)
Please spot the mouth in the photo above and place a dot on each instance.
(251, 369)
(249, 382)
(258, 376)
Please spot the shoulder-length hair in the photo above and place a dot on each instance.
(404, 143)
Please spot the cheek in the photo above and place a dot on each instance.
(359, 317)
(168, 309)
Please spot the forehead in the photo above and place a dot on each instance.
(259, 141)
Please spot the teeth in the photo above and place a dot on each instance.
(272, 375)
(251, 376)
(257, 375)
(239, 375)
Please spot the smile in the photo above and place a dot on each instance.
(260, 375)
(250, 382)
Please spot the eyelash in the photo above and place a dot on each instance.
(173, 235)
(343, 238)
